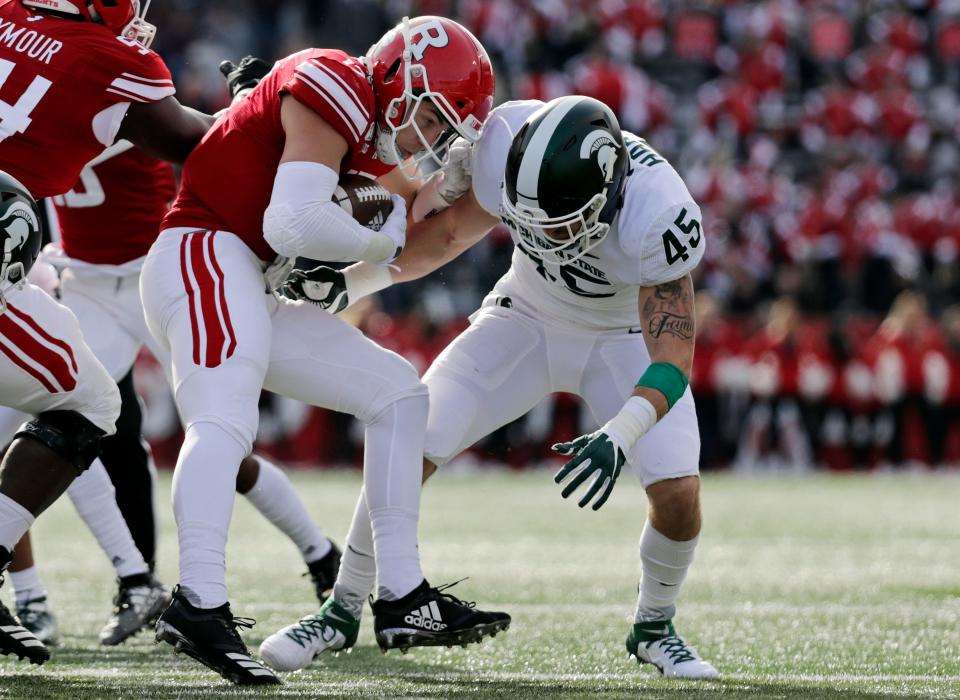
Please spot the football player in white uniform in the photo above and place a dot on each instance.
(598, 302)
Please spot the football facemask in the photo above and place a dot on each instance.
(139, 29)
(559, 239)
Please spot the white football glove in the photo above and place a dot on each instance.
(457, 172)
(395, 227)
(448, 184)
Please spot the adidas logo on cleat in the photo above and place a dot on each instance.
(427, 617)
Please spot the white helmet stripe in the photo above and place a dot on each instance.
(528, 176)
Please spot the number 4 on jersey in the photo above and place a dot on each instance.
(672, 247)
(15, 118)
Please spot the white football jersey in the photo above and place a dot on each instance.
(655, 238)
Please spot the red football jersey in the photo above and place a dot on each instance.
(228, 178)
(64, 89)
(112, 215)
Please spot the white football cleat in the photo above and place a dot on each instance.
(295, 646)
(657, 643)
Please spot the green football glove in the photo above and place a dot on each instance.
(597, 455)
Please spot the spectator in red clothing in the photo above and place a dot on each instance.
(728, 107)
(941, 390)
(895, 354)
(774, 434)
(718, 378)
(829, 36)
(640, 23)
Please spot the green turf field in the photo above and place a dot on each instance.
(803, 588)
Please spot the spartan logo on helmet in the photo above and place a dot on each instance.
(598, 144)
(20, 227)
(20, 232)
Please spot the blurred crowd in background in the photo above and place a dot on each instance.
(821, 141)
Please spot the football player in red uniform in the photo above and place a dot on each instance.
(74, 76)
(106, 223)
(257, 189)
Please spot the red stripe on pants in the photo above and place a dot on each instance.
(207, 304)
(223, 297)
(208, 301)
(46, 336)
(30, 347)
(191, 298)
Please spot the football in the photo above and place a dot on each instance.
(364, 199)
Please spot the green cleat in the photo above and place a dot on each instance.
(295, 646)
(657, 643)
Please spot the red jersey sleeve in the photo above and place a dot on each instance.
(337, 90)
(138, 75)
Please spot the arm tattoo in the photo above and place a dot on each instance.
(670, 310)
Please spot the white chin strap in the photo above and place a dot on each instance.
(386, 146)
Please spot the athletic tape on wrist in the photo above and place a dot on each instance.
(632, 422)
(364, 279)
(666, 378)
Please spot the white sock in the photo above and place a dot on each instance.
(392, 471)
(95, 499)
(273, 495)
(203, 488)
(358, 567)
(664, 564)
(15, 520)
(27, 585)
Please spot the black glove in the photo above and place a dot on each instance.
(323, 286)
(244, 75)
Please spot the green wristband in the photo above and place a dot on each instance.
(666, 378)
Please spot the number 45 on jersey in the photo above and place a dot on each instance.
(672, 246)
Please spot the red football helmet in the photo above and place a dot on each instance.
(124, 17)
(429, 58)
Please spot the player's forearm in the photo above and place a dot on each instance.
(202, 120)
(166, 129)
(669, 330)
(422, 255)
(430, 245)
(437, 240)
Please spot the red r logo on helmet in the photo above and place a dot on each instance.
(427, 34)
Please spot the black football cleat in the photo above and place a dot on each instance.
(18, 640)
(14, 637)
(428, 617)
(211, 637)
(323, 572)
